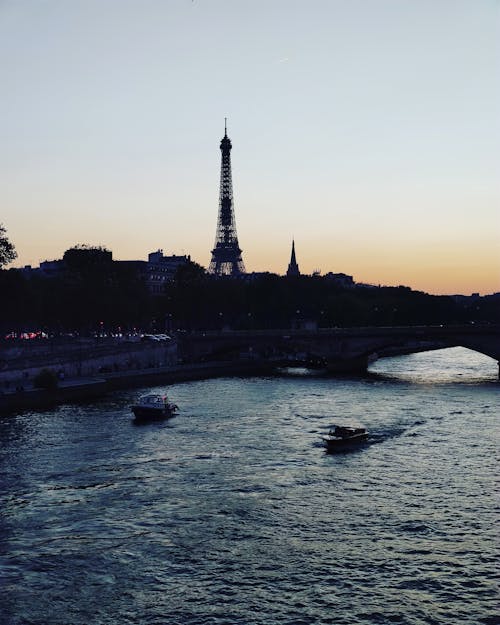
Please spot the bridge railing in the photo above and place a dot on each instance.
(442, 330)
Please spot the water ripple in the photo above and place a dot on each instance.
(233, 514)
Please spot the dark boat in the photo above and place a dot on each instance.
(152, 407)
(343, 438)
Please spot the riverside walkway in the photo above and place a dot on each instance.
(76, 389)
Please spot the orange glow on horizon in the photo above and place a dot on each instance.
(442, 269)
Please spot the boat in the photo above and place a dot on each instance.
(343, 438)
(151, 407)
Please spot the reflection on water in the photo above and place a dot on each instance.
(232, 513)
(456, 364)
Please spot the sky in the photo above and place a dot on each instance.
(366, 130)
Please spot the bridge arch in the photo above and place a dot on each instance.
(342, 349)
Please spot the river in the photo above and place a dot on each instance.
(233, 514)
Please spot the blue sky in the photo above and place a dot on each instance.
(368, 130)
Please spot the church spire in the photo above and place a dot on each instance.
(293, 268)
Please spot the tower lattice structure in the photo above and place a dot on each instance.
(226, 255)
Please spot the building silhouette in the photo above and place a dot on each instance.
(226, 255)
(293, 268)
(156, 273)
(160, 270)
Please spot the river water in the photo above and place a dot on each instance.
(233, 514)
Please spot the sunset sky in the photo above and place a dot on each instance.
(367, 130)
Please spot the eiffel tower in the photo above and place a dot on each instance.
(226, 255)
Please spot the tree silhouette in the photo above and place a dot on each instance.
(7, 251)
(92, 292)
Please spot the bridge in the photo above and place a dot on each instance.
(342, 350)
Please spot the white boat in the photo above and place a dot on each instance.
(343, 438)
(150, 407)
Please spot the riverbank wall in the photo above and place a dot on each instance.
(87, 389)
(81, 358)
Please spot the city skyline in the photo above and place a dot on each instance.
(366, 131)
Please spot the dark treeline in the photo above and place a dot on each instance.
(95, 293)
